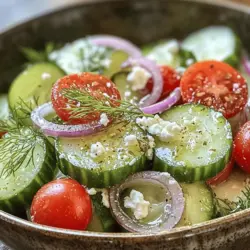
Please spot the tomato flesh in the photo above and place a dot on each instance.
(97, 85)
(171, 80)
(62, 203)
(223, 175)
(215, 84)
(241, 150)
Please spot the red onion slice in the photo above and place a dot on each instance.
(165, 104)
(52, 129)
(152, 67)
(116, 43)
(246, 64)
(172, 211)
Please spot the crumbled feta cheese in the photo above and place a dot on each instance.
(189, 121)
(45, 76)
(127, 93)
(135, 201)
(165, 130)
(105, 198)
(132, 162)
(108, 84)
(138, 78)
(81, 56)
(130, 140)
(151, 143)
(104, 119)
(189, 61)
(96, 150)
(92, 191)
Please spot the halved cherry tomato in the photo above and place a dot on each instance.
(62, 203)
(96, 85)
(215, 84)
(223, 175)
(171, 80)
(241, 150)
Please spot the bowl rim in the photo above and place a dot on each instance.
(175, 233)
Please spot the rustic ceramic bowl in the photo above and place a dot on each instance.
(140, 21)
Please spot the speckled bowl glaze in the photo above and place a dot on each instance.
(140, 21)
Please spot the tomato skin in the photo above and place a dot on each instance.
(223, 175)
(215, 84)
(241, 151)
(62, 203)
(95, 84)
(171, 80)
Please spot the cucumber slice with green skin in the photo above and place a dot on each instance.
(164, 52)
(17, 191)
(125, 88)
(199, 204)
(4, 111)
(102, 220)
(34, 83)
(116, 59)
(200, 149)
(214, 43)
(113, 166)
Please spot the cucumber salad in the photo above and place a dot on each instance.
(105, 136)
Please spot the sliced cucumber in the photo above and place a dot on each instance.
(34, 83)
(4, 111)
(113, 165)
(230, 190)
(116, 59)
(102, 220)
(200, 149)
(199, 204)
(125, 88)
(214, 42)
(164, 52)
(17, 190)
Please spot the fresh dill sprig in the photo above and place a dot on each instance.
(18, 144)
(82, 103)
(16, 148)
(93, 58)
(19, 115)
(242, 203)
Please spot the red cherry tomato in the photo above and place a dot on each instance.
(171, 80)
(96, 85)
(223, 175)
(215, 84)
(62, 203)
(241, 150)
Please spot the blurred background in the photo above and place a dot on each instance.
(14, 11)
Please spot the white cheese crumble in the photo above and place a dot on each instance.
(138, 78)
(135, 201)
(104, 119)
(96, 150)
(189, 61)
(45, 76)
(108, 84)
(92, 191)
(165, 130)
(130, 140)
(105, 198)
(151, 143)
